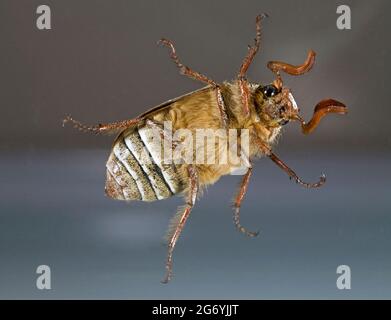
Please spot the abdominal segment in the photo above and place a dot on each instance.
(136, 170)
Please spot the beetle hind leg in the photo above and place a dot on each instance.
(238, 202)
(242, 229)
(100, 128)
(180, 219)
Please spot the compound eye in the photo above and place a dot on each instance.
(269, 90)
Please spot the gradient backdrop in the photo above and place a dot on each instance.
(100, 63)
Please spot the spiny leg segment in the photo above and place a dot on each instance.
(115, 126)
(179, 224)
(252, 51)
(185, 70)
(294, 176)
(246, 179)
(238, 201)
(101, 127)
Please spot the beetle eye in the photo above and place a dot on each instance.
(269, 90)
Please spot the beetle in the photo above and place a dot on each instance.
(261, 109)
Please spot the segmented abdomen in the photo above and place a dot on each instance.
(135, 170)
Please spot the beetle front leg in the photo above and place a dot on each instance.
(252, 51)
(293, 175)
(266, 150)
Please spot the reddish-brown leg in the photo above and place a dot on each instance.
(245, 95)
(222, 108)
(180, 223)
(101, 127)
(238, 202)
(293, 175)
(252, 51)
(185, 70)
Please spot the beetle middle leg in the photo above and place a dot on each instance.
(185, 70)
(238, 202)
(180, 223)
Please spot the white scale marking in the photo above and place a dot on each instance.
(154, 146)
(294, 104)
(122, 154)
(143, 154)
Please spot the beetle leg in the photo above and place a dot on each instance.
(238, 202)
(245, 94)
(265, 149)
(178, 224)
(252, 51)
(101, 128)
(222, 108)
(185, 70)
(293, 175)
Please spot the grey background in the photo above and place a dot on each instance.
(100, 63)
